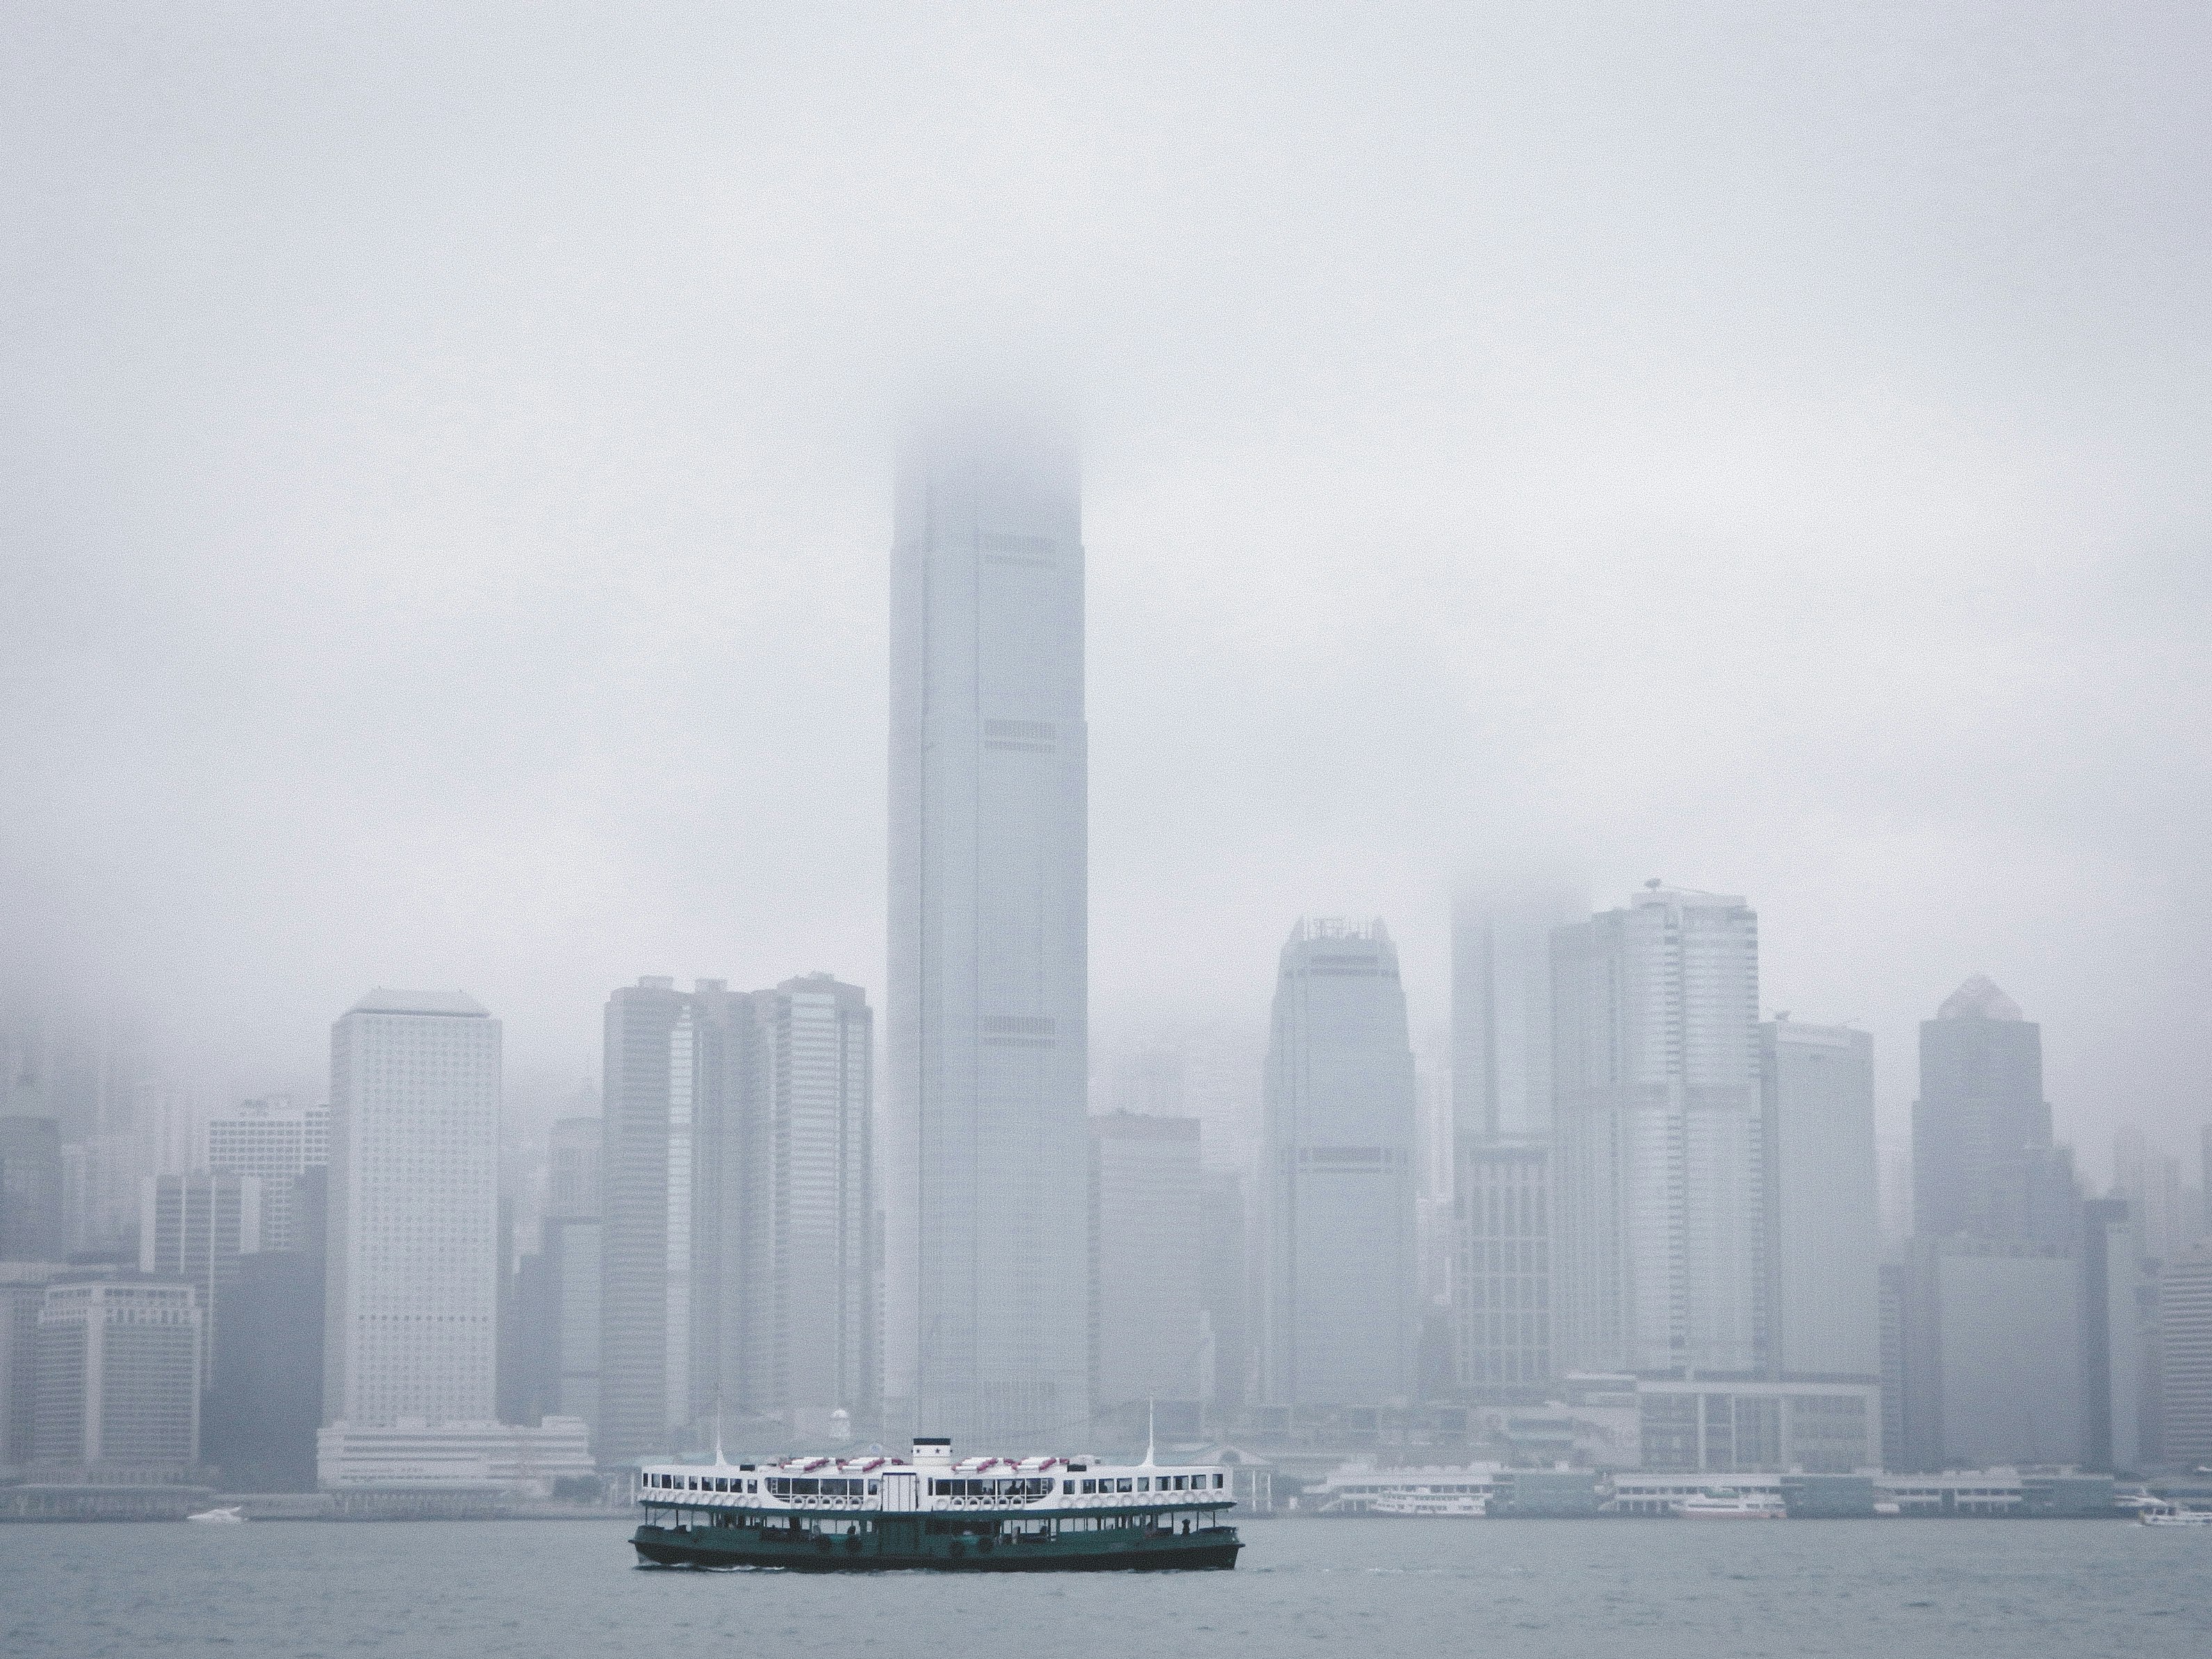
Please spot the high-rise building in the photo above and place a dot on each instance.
(1226, 1286)
(22, 1293)
(1342, 1304)
(1501, 1284)
(1501, 1025)
(2149, 1179)
(986, 1150)
(412, 1287)
(196, 1227)
(2112, 1338)
(1992, 1361)
(572, 1156)
(31, 1219)
(2185, 1359)
(273, 1140)
(118, 1379)
(679, 1067)
(1896, 1284)
(1658, 1176)
(804, 1279)
(101, 1182)
(1148, 1231)
(737, 1245)
(1823, 1208)
(265, 1402)
(1981, 1129)
(1501, 1287)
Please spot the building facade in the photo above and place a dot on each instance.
(1501, 1019)
(1981, 1129)
(1502, 1283)
(2113, 1347)
(1148, 1236)
(1823, 1201)
(676, 1064)
(196, 1227)
(1342, 1299)
(2185, 1359)
(986, 1153)
(411, 1293)
(118, 1383)
(273, 1140)
(804, 1290)
(31, 1215)
(1993, 1367)
(1658, 1179)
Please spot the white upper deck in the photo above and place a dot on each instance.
(932, 1481)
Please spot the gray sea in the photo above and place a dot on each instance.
(1895, 1590)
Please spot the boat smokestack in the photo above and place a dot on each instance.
(930, 1449)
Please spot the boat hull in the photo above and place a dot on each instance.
(896, 1547)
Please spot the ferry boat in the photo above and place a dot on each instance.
(2170, 1514)
(977, 1515)
(1432, 1505)
(1727, 1503)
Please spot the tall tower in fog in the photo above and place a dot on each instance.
(985, 1157)
(1341, 1297)
(412, 1287)
(1501, 1023)
(1656, 1166)
(1983, 1164)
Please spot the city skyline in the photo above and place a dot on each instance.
(1438, 507)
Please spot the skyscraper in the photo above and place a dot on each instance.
(737, 1242)
(1149, 1236)
(1981, 1125)
(1342, 1301)
(804, 1261)
(1823, 1206)
(677, 1062)
(1502, 1286)
(118, 1379)
(1656, 1165)
(2149, 1179)
(273, 1140)
(2112, 1277)
(196, 1227)
(31, 1223)
(985, 1151)
(2185, 1358)
(1501, 1024)
(1502, 1210)
(412, 1278)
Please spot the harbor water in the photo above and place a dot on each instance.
(1498, 1589)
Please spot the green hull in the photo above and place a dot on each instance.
(899, 1544)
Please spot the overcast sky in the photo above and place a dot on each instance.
(445, 493)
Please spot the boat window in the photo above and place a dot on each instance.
(807, 1489)
(1124, 1485)
(1090, 1485)
(1144, 1483)
(1067, 1488)
(873, 1486)
(1217, 1479)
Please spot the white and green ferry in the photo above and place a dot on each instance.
(976, 1515)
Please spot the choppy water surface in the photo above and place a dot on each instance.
(1649, 1590)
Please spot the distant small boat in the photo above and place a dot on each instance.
(228, 1515)
(2167, 1515)
(1727, 1503)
